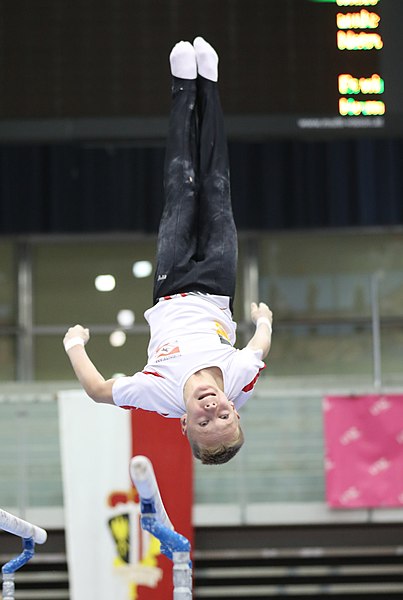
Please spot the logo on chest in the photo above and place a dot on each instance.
(166, 351)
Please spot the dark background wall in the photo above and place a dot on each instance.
(275, 184)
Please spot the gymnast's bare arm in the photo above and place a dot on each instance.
(94, 384)
(262, 316)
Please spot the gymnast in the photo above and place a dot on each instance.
(193, 373)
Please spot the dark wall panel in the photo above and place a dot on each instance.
(275, 185)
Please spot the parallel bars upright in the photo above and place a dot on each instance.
(155, 520)
(30, 535)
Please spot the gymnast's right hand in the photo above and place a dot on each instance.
(77, 335)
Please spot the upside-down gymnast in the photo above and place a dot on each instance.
(193, 373)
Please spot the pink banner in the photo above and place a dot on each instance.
(364, 450)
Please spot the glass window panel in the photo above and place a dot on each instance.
(222, 485)
(64, 281)
(52, 363)
(30, 474)
(64, 275)
(65, 294)
(282, 459)
(327, 275)
(7, 283)
(320, 350)
(390, 289)
(392, 354)
(7, 358)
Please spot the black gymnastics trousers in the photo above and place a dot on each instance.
(197, 240)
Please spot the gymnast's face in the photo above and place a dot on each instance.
(210, 418)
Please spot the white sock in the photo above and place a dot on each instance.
(183, 61)
(207, 59)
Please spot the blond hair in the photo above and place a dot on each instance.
(217, 455)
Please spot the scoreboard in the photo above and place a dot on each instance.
(287, 67)
(354, 66)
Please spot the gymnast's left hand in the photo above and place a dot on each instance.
(78, 331)
(260, 310)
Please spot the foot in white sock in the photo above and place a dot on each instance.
(183, 61)
(207, 59)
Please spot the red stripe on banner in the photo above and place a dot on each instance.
(162, 442)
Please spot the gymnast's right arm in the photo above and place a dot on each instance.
(94, 384)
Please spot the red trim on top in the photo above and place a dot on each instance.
(128, 407)
(153, 373)
(251, 385)
(183, 294)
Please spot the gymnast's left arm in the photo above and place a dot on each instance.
(94, 384)
(262, 316)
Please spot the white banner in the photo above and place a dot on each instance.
(105, 545)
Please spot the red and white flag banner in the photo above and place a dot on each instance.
(109, 556)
